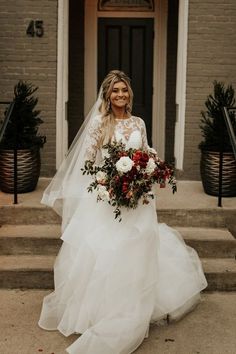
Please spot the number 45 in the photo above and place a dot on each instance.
(35, 28)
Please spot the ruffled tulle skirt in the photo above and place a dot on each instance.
(112, 279)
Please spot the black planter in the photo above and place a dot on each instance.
(209, 168)
(28, 170)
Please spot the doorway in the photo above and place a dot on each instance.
(127, 44)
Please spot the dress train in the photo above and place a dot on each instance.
(112, 279)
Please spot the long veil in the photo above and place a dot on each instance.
(68, 187)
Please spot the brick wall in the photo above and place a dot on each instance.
(211, 56)
(32, 59)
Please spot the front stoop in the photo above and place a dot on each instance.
(36, 272)
(24, 271)
(28, 246)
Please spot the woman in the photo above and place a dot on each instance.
(113, 279)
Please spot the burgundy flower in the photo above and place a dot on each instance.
(140, 158)
(125, 187)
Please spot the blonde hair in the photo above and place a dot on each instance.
(108, 119)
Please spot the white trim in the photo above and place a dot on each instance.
(159, 62)
(62, 81)
(90, 55)
(181, 84)
(159, 77)
(128, 14)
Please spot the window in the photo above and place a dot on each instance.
(126, 5)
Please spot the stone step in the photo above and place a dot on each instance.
(29, 272)
(220, 273)
(206, 217)
(210, 242)
(22, 215)
(36, 272)
(30, 239)
(45, 240)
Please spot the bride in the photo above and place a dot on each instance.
(113, 279)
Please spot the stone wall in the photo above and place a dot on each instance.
(211, 56)
(33, 59)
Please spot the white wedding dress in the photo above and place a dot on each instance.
(112, 279)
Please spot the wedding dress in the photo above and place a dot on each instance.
(112, 279)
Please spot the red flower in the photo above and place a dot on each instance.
(125, 187)
(140, 158)
(117, 178)
(132, 173)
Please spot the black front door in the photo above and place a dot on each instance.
(127, 44)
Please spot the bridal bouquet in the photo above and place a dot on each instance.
(126, 176)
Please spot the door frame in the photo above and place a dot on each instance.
(91, 69)
(159, 62)
(62, 81)
(181, 82)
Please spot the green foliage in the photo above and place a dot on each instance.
(25, 119)
(213, 126)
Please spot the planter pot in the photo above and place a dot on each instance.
(209, 168)
(28, 170)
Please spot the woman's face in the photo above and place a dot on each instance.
(119, 95)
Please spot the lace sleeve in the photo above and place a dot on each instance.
(92, 139)
(144, 136)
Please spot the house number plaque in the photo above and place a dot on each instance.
(35, 28)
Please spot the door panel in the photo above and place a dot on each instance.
(127, 44)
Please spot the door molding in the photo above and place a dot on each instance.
(181, 84)
(62, 81)
(159, 63)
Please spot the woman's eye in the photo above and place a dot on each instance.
(122, 90)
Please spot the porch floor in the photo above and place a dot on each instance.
(210, 329)
(190, 195)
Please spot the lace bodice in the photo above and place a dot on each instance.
(131, 131)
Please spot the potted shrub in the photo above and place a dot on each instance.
(22, 133)
(215, 138)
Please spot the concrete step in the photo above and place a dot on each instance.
(36, 272)
(22, 215)
(206, 217)
(220, 273)
(45, 240)
(210, 242)
(30, 239)
(29, 272)
(203, 217)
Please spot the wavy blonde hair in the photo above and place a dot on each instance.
(108, 118)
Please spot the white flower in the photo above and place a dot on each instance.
(101, 176)
(103, 193)
(105, 153)
(150, 166)
(152, 151)
(124, 164)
